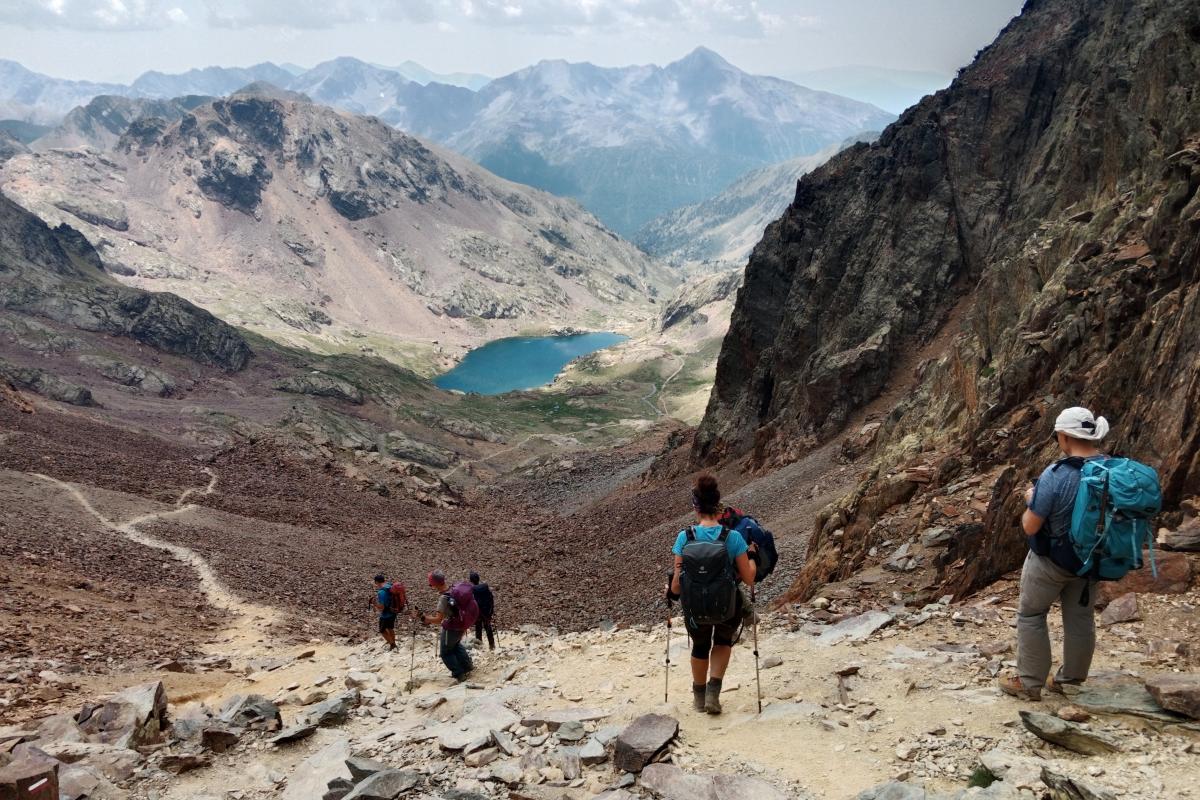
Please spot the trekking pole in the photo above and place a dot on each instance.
(412, 659)
(757, 675)
(667, 661)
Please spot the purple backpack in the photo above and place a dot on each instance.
(465, 609)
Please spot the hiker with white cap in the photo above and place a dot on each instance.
(1052, 566)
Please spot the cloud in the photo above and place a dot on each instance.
(730, 17)
(92, 15)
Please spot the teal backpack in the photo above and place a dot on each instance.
(1116, 500)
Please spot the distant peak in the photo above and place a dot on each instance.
(704, 56)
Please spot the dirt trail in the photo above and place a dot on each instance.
(250, 622)
(658, 389)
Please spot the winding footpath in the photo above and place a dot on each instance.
(249, 619)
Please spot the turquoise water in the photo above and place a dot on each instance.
(522, 362)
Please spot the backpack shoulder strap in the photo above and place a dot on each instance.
(1074, 462)
(690, 533)
(723, 535)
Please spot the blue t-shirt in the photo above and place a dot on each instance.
(1054, 501)
(385, 600)
(734, 543)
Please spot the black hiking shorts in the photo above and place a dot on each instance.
(724, 634)
(387, 623)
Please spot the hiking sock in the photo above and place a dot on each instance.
(712, 696)
(698, 690)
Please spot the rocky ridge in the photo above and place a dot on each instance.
(320, 227)
(1056, 233)
(104, 120)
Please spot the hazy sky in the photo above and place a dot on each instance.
(119, 39)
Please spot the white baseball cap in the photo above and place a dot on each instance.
(1079, 423)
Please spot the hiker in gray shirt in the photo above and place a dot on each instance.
(1051, 567)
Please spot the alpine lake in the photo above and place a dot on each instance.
(521, 362)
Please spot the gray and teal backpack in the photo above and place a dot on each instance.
(707, 582)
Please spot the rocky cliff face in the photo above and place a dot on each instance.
(55, 274)
(1049, 199)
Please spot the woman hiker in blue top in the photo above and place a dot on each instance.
(712, 644)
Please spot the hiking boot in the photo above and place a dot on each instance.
(1012, 685)
(712, 697)
(698, 693)
(1056, 686)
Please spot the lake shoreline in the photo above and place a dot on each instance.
(522, 363)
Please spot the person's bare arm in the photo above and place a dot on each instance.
(675, 587)
(1031, 523)
(746, 569)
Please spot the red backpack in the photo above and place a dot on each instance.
(398, 598)
(466, 610)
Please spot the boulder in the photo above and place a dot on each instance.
(567, 760)
(642, 740)
(1186, 537)
(319, 384)
(134, 717)
(855, 629)
(1174, 577)
(294, 733)
(110, 761)
(593, 753)
(671, 783)
(385, 785)
(402, 446)
(218, 739)
(1117, 693)
(251, 711)
(361, 680)
(1064, 788)
(903, 560)
(481, 758)
(1068, 734)
(553, 719)
(337, 789)
(571, 731)
(744, 787)
(333, 711)
(179, 763)
(477, 724)
(29, 779)
(363, 768)
(1178, 692)
(1072, 714)
(1123, 609)
(312, 777)
(60, 728)
(77, 782)
(1016, 770)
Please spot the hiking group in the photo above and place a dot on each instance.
(1086, 519)
(461, 607)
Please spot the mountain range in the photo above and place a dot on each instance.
(335, 231)
(629, 143)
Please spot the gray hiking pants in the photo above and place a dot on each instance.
(1043, 582)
